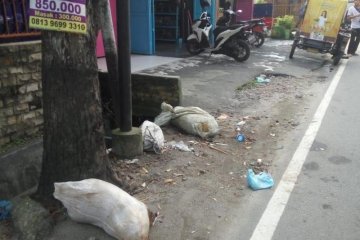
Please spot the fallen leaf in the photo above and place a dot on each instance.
(178, 174)
(223, 116)
(169, 180)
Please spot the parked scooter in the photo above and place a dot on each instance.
(256, 31)
(229, 40)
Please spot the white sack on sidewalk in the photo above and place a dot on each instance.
(105, 205)
(153, 137)
(195, 121)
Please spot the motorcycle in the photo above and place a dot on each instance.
(255, 31)
(229, 40)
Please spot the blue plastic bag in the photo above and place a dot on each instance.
(5, 207)
(259, 181)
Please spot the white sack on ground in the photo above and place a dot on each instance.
(165, 116)
(153, 137)
(196, 121)
(105, 205)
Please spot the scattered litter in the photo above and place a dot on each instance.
(153, 137)
(223, 116)
(221, 144)
(178, 174)
(143, 185)
(168, 170)
(180, 146)
(248, 147)
(240, 137)
(214, 199)
(217, 149)
(132, 161)
(259, 181)
(202, 171)
(241, 123)
(262, 79)
(259, 161)
(272, 134)
(108, 150)
(193, 232)
(145, 170)
(169, 180)
(5, 208)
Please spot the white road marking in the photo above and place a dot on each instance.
(275, 208)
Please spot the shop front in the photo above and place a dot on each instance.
(157, 23)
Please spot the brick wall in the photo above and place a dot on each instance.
(20, 90)
(21, 113)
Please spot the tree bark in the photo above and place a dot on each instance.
(74, 147)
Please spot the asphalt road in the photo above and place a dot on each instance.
(325, 201)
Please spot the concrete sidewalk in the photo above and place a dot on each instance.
(141, 62)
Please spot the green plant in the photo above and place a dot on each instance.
(249, 85)
(286, 21)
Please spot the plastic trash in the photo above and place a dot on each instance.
(105, 205)
(240, 138)
(262, 79)
(153, 137)
(259, 181)
(180, 146)
(5, 208)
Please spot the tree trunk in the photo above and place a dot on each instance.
(74, 147)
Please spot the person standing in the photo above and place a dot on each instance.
(354, 16)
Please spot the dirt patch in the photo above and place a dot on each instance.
(195, 191)
(198, 190)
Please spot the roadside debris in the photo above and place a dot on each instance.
(262, 79)
(180, 146)
(88, 201)
(259, 181)
(192, 120)
(5, 208)
(217, 149)
(132, 161)
(153, 137)
(169, 180)
(240, 137)
(222, 116)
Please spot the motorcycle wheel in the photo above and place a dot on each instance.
(193, 47)
(241, 52)
(260, 39)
